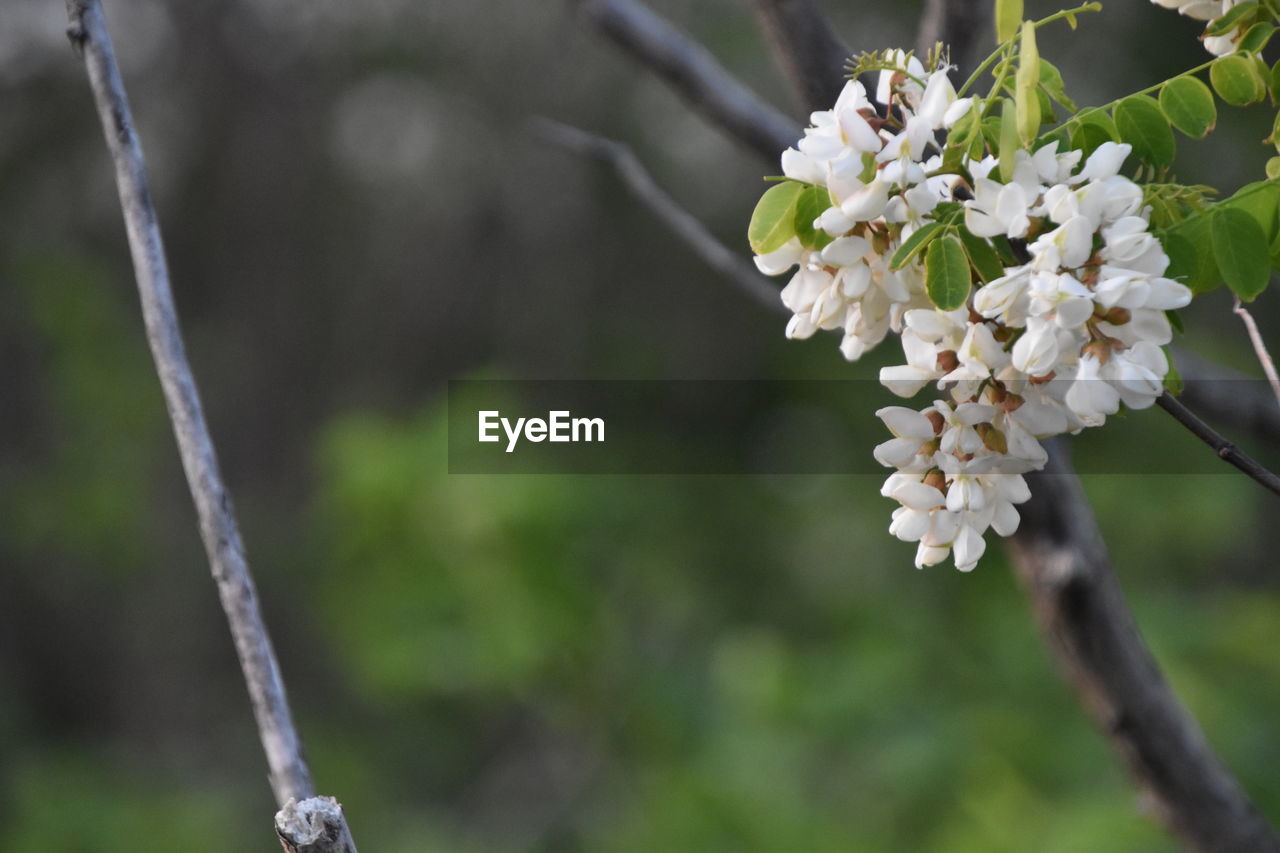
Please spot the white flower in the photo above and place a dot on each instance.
(1036, 352)
(1104, 162)
(1137, 374)
(958, 110)
(997, 209)
(1005, 297)
(782, 259)
(911, 430)
(1090, 397)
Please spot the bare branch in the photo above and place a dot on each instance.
(683, 224)
(694, 73)
(1228, 398)
(1063, 566)
(959, 24)
(290, 778)
(807, 49)
(315, 825)
(1259, 347)
(1221, 445)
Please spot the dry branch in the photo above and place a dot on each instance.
(1259, 346)
(806, 47)
(691, 70)
(315, 825)
(288, 772)
(1063, 565)
(683, 224)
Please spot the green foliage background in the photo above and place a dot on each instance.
(355, 214)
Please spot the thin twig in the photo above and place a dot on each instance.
(683, 224)
(1233, 400)
(1221, 445)
(1259, 347)
(806, 47)
(691, 70)
(1062, 563)
(289, 776)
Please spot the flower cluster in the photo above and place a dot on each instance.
(876, 169)
(1071, 329)
(1209, 10)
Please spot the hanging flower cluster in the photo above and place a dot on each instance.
(892, 229)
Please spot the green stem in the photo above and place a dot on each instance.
(1012, 40)
(1146, 91)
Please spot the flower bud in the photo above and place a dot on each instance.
(993, 439)
(1118, 316)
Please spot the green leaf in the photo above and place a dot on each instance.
(1191, 260)
(983, 258)
(1231, 20)
(1092, 128)
(946, 275)
(914, 244)
(1026, 85)
(1189, 105)
(1144, 126)
(1257, 37)
(773, 222)
(1007, 152)
(1236, 80)
(812, 203)
(1051, 83)
(1008, 18)
(1273, 168)
(1241, 248)
(1273, 81)
(1261, 200)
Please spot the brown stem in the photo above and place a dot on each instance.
(289, 775)
(683, 224)
(806, 47)
(1063, 565)
(691, 70)
(1226, 450)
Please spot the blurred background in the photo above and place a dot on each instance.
(355, 213)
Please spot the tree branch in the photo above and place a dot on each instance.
(289, 776)
(1259, 346)
(1231, 399)
(807, 49)
(683, 224)
(1062, 563)
(315, 825)
(694, 74)
(1220, 444)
